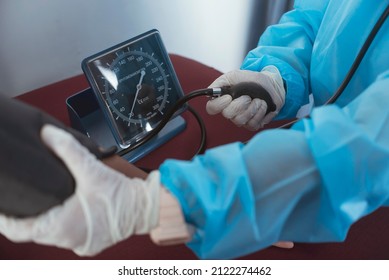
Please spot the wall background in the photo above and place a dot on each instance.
(44, 41)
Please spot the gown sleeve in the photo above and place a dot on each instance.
(306, 184)
(288, 46)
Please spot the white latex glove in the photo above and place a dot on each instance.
(244, 111)
(107, 206)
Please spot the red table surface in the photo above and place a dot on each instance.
(367, 239)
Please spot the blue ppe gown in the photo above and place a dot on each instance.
(312, 182)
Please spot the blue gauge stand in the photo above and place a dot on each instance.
(86, 116)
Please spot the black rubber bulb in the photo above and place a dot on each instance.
(253, 90)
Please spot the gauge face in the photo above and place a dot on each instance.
(135, 84)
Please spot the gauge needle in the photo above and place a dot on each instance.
(138, 88)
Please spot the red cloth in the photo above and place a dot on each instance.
(368, 239)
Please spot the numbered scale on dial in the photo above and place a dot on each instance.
(135, 84)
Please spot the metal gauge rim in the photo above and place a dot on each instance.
(159, 90)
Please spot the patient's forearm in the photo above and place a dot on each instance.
(124, 167)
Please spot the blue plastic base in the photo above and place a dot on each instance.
(85, 115)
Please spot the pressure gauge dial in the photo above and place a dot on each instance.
(135, 84)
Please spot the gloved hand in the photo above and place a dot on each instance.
(244, 111)
(107, 206)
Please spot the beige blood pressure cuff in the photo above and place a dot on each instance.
(32, 178)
